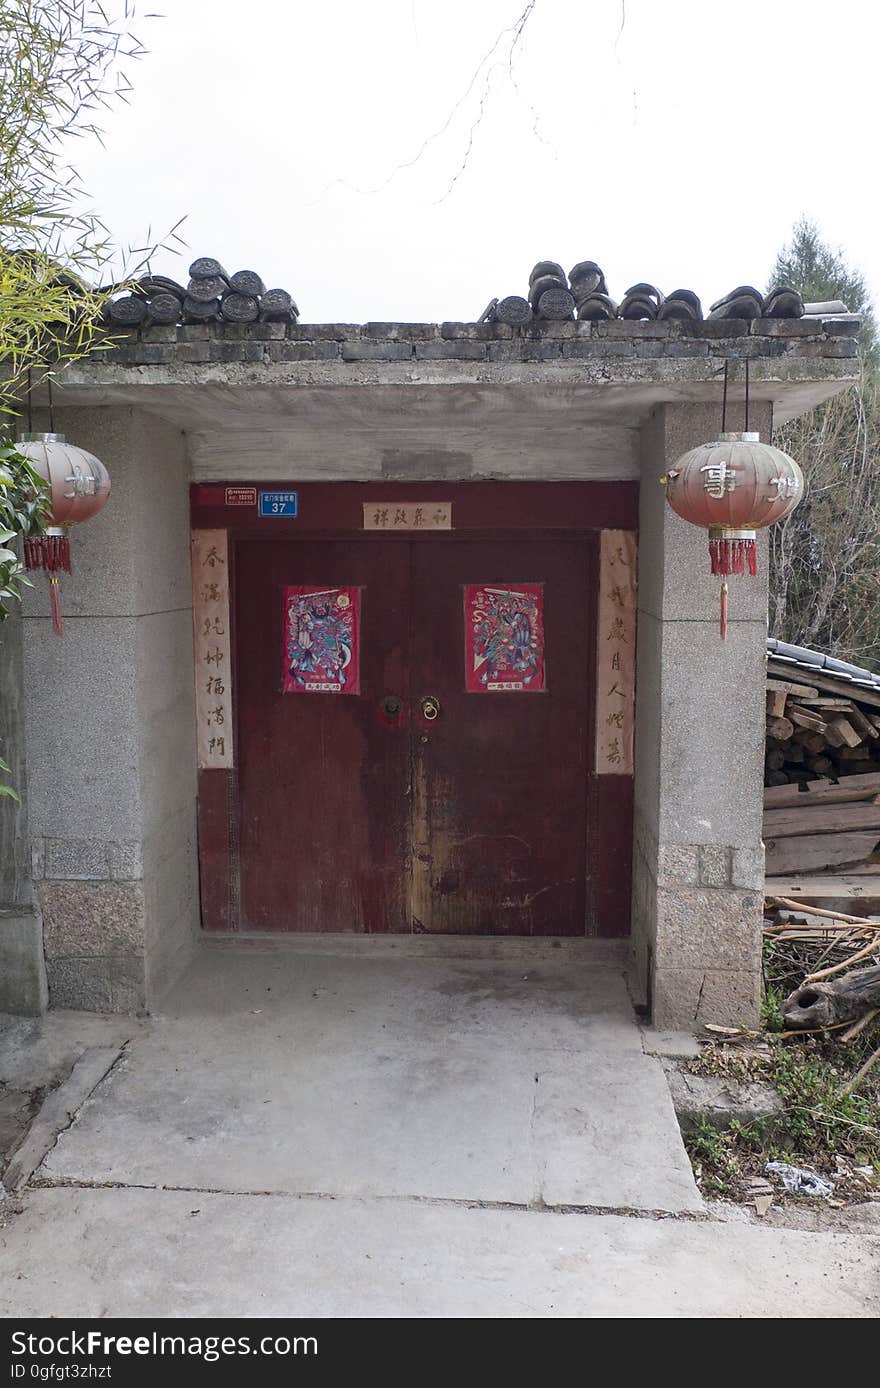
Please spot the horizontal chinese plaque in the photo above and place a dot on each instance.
(504, 638)
(321, 640)
(616, 653)
(411, 515)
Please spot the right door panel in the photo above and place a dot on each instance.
(499, 779)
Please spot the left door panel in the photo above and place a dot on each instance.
(323, 779)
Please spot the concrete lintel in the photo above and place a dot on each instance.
(198, 395)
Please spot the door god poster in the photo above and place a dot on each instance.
(504, 638)
(321, 640)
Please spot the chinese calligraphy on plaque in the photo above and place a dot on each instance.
(321, 640)
(504, 638)
(409, 515)
(213, 649)
(616, 653)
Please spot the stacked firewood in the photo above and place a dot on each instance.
(825, 827)
(822, 778)
(812, 732)
(211, 295)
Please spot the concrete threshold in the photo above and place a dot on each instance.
(585, 950)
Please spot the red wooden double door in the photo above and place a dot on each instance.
(415, 805)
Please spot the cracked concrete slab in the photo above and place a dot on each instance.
(37, 1052)
(70, 1254)
(58, 1110)
(433, 1079)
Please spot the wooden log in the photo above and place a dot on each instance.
(513, 310)
(817, 852)
(823, 766)
(825, 681)
(814, 742)
(804, 719)
(207, 268)
(871, 867)
(832, 1001)
(794, 752)
(850, 789)
(780, 729)
(556, 305)
(127, 311)
(277, 306)
(845, 730)
(775, 758)
(194, 311)
(776, 701)
(204, 290)
(841, 886)
(247, 282)
(830, 819)
(858, 753)
(799, 691)
(778, 778)
(828, 701)
(862, 725)
(239, 308)
(164, 308)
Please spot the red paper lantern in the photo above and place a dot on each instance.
(733, 487)
(79, 486)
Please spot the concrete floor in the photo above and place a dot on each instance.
(331, 1135)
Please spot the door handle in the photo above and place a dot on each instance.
(391, 705)
(430, 708)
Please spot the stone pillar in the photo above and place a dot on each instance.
(22, 968)
(698, 854)
(110, 730)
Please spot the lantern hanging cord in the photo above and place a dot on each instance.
(52, 408)
(30, 407)
(747, 395)
(724, 398)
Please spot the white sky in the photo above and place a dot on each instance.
(679, 150)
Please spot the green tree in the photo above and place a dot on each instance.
(61, 65)
(825, 559)
(821, 273)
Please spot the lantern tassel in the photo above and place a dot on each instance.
(49, 552)
(723, 614)
(733, 556)
(55, 600)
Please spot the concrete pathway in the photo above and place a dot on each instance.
(328, 1135)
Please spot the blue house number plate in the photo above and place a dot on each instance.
(279, 503)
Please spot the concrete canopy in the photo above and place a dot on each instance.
(112, 838)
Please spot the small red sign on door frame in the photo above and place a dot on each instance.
(321, 640)
(504, 638)
(240, 496)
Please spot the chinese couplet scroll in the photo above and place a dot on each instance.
(616, 653)
(213, 651)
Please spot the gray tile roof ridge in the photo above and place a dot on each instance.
(806, 659)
